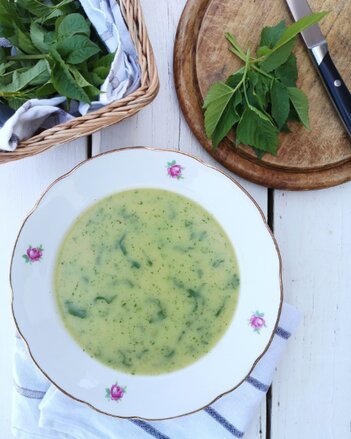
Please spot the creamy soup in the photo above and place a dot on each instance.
(146, 281)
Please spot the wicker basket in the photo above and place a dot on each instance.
(112, 113)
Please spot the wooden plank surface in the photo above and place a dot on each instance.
(312, 386)
(21, 185)
(311, 391)
(162, 124)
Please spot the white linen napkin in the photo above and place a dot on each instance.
(124, 76)
(123, 79)
(29, 118)
(42, 411)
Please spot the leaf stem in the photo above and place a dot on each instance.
(262, 72)
(237, 53)
(25, 57)
(247, 63)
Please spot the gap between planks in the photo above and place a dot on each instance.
(94, 144)
(269, 395)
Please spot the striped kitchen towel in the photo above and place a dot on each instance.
(42, 411)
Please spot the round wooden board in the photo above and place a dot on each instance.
(306, 160)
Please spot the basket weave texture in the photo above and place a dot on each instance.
(112, 113)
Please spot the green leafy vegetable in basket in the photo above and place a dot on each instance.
(261, 97)
(54, 52)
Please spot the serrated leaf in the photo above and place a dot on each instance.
(23, 41)
(42, 77)
(51, 16)
(77, 49)
(216, 101)
(49, 38)
(271, 34)
(263, 51)
(81, 81)
(58, 22)
(277, 57)
(258, 152)
(5, 66)
(300, 25)
(287, 72)
(94, 78)
(37, 35)
(233, 80)
(86, 85)
(261, 88)
(280, 52)
(8, 13)
(73, 24)
(63, 81)
(257, 89)
(253, 98)
(229, 118)
(102, 72)
(68, 6)
(256, 130)
(300, 103)
(37, 8)
(45, 91)
(280, 103)
(104, 61)
(253, 77)
(22, 79)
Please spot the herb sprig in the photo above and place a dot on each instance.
(261, 97)
(56, 52)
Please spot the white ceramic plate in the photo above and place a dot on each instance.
(61, 358)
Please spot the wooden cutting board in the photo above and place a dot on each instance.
(306, 160)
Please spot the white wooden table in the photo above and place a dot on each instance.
(311, 393)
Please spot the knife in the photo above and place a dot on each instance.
(318, 49)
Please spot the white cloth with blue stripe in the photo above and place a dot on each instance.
(42, 411)
(123, 79)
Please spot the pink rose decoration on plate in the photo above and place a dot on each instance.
(33, 254)
(174, 170)
(115, 392)
(257, 322)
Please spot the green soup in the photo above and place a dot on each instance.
(146, 281)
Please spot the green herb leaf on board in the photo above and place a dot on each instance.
(215, 105)
(271, 35)
(287, 72)
(255, 129)
(300, 103)
(261, 97)
(280, 103)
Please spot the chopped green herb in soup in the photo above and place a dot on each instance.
(146, 281)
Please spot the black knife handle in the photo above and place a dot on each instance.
(337, 90)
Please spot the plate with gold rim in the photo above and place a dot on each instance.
(226, 295)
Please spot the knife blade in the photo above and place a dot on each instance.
(319, 51)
